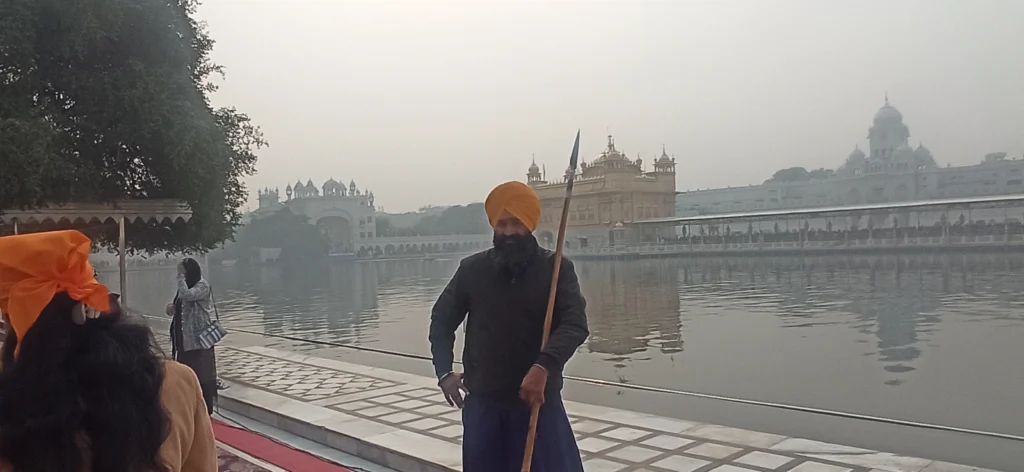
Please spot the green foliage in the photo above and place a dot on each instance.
(297, 238)
(384, 228)
(469, 219)
(821, 174)
(799, 174)
(108, 100)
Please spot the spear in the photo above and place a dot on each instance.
(570, 176)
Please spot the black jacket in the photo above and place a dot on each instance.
(506, 321)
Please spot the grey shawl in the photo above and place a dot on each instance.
(196, 306)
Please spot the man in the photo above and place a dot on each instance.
(504, 291)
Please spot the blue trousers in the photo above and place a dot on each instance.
(494, 438)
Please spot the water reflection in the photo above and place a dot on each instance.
(906, 335)
(898, 300)
(632, 306)
(324, 301)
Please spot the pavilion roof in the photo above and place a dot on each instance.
(134, 211)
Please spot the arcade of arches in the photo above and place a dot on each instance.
(394, 250)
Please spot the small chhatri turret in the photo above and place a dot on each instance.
(664, 163)
(333, 188)
(533, 175)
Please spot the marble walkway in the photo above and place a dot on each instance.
(400, 421)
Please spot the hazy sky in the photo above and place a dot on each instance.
(435, 102)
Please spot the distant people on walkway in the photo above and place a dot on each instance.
(82, 387)
(191, 317)
(504, 293)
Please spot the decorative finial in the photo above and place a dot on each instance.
(886, 98)
(534, 157)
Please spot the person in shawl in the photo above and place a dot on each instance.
(502, 294)
(190, 316)
(82, 386)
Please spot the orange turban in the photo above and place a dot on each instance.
(35, 267)
(518, 199)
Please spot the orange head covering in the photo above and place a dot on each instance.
(518, 199)
(35, 267)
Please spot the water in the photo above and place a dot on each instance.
(931, 338)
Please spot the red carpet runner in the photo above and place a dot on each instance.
(266, 450)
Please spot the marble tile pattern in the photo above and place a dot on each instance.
(410, 409)
(304, 382)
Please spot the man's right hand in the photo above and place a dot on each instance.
(453, 389)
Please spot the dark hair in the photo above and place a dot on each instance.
(192, 272)
(82, 397)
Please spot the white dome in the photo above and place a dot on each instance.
(922, 151)
(856, 155)
(888, 113)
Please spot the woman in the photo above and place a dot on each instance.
(82, 388)
(191, 316)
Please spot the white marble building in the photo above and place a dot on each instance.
(345, 216)
(891, 171)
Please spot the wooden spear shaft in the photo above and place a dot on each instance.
(531, 435)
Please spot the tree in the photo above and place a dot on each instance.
(792, 174)
(469, 219)
(297, 238)
(800, 174)
(384, 228)
(821, 174)
(106, 101)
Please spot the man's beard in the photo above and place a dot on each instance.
(514, 251)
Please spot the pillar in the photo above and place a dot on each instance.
(121, 249)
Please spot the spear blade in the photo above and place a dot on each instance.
(573, 161)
